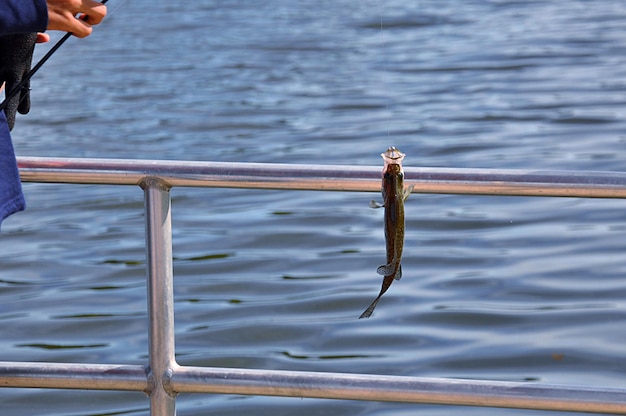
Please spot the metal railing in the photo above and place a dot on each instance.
(162, 378)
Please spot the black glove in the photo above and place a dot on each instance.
(16, 55)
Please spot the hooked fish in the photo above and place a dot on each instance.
(394, 195)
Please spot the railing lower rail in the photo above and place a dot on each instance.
(162, 378)
(185, 379)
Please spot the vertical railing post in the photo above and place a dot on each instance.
(160, 295)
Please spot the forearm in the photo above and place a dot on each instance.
(23, 16)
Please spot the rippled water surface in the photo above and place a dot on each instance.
(497, 288)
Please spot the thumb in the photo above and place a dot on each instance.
(23, 106)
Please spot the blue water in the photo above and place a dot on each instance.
(496, 288)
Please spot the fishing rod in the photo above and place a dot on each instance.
(19, 87)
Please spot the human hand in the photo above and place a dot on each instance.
(16, 52)
(62, 16)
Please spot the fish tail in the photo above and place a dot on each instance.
(370, 309)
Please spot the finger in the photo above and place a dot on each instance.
(66, 22)
(92, 11)
(43, 38)
(23, 106)
(11, 108)
(80, 28)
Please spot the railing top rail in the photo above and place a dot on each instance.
(589, 184)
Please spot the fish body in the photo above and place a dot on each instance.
(394, 196)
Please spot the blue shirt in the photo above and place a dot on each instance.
(11, 197)
(23, 16)
(16, 16)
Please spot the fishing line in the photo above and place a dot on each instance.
(385, 90)
(19, 87)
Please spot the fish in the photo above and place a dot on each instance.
(394, 195)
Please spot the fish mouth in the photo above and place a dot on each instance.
(393, 155)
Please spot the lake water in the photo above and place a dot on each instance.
(496, 288)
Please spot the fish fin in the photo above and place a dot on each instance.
(399, 274)
(374, 204)
(388, 269)
(370, 309)
(407, 192)
(385, 269)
